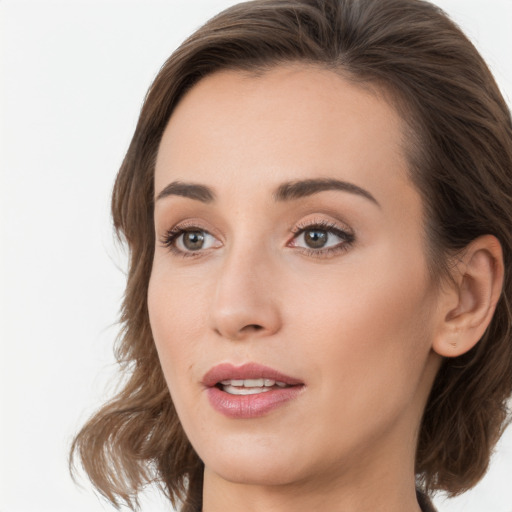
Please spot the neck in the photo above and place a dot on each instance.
(364, 497)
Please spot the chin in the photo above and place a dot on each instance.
(248, 474)
(257, 465)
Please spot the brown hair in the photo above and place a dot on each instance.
(460, 154)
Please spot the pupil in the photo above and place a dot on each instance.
(316, 238)
(193, 240)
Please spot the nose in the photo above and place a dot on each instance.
(245, 302)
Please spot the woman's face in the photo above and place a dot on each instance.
(290, 247)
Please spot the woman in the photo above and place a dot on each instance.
(317, 201)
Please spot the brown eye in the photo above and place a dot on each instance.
(193, 240)
(315, 238)
(322, 239)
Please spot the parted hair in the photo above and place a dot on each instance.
(459, 151)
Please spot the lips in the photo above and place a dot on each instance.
(247, 371)
(249, 391)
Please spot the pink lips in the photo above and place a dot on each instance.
(248, 406)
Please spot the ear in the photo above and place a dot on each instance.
(469, 304)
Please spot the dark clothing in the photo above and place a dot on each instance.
(424, 502)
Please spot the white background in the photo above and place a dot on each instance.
(73, 75)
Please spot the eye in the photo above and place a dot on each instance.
(317, 239)
(322, 238)
(189, 240)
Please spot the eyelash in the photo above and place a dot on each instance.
(329, 227)
(170, 237)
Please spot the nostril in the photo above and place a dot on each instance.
(254, 327)
(245, 330)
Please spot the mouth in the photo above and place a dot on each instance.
(249, 391)
(249, 386)
(249, 378)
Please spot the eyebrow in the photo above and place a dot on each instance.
(287, 191)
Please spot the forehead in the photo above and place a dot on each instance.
(291, 122)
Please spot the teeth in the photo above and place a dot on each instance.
(254, 383)
(258, 385)
(240, 390)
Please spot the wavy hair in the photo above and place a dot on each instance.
(459, 150)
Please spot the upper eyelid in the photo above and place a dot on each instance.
(296, 229)
(325, 220)
(324, 224)
(338, 231)
(192, 225)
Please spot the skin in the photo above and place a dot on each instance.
(357, 326)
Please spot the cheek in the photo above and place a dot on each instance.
(177, 318)
(368, 325)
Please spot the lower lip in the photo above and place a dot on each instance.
(251, 406)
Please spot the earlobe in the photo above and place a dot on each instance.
(471, 301)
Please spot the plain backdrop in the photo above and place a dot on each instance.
(73, 75)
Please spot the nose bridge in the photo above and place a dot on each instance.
(244, 302)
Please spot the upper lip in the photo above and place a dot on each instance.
(228, 371)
